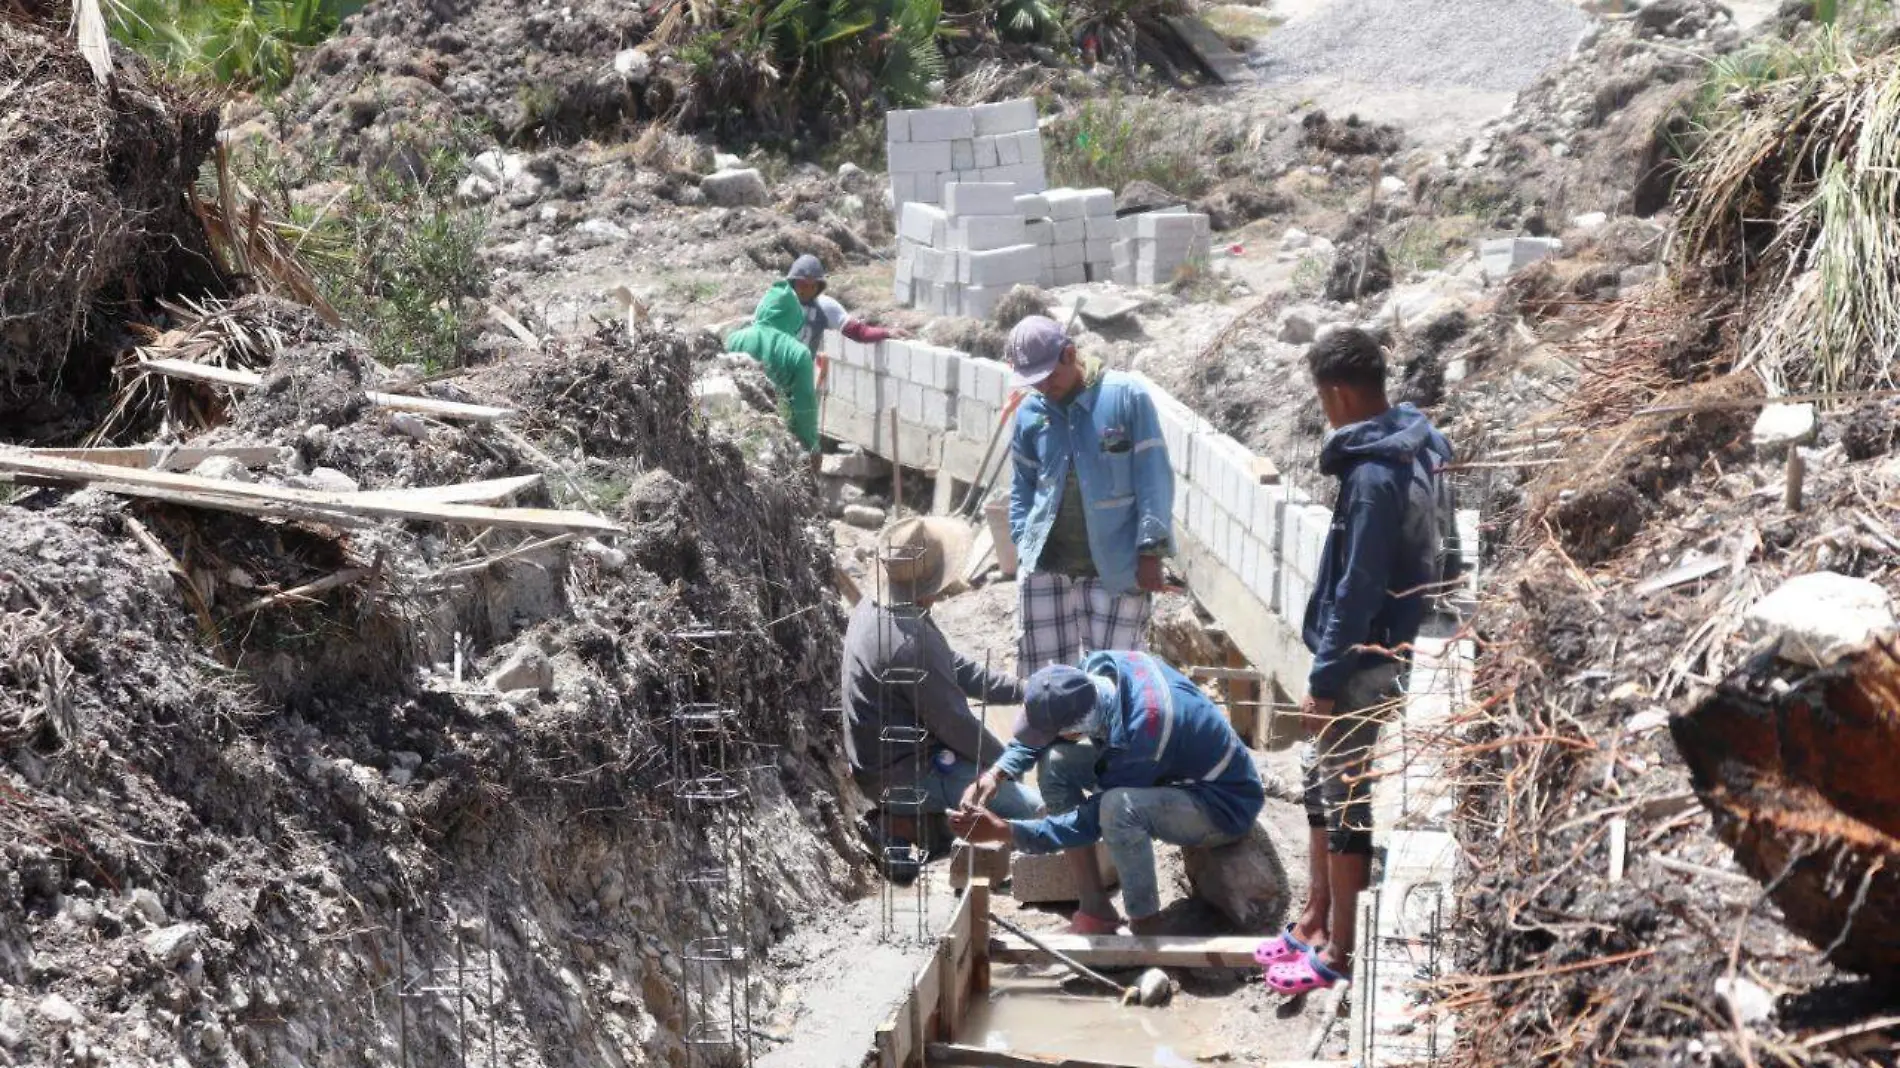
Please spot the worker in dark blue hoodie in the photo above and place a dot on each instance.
(1131, 753)
(1375, 579)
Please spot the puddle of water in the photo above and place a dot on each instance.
(1034, 1017)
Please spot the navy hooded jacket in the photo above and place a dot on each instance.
(1380, 553)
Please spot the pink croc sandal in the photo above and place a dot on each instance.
(1084, 924)
(1279, 949)
(1302, 975)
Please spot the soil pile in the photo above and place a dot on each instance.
(270, 835)
(93, 218)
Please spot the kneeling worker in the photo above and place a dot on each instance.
(1131, 752)
(900, 675)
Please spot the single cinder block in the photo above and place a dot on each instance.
(1039, 232)
(949, 361)
(942, 124)
(1009, 151)
(1005, 117)
(1073, 275)
(922, 223)
(896, 127)
(910, 402)
(896, 358)
(1250, 563)
(1029, 144)
(992, 382)
(901, 290)
(1000, 267)
(1029, 177)
(1101, 251)
(1161, 225)
(1071, 231)
(1063, 204)
(1102, 227)
(1098, 202)
(980, 198)
(963, 155)
(1042, 878)
(1032, 206)
(834, 345)
(925, 157)
(986, 154)
(1067, 254)
(903, 188)
(935, 409)
(979, 233)
(904, 268)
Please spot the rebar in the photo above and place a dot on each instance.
(903, 754)
(452, 979)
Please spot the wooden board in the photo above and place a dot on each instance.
(236, 379)
(183, 458)
(487, 491)
(1118, 951)
(278, 501)
(1225, 64)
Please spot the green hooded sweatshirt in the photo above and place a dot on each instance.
(772, 339)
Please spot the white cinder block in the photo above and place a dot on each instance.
(1009, 151)
(919, 157)
(1071, 231)
(1068, 276)
(1064, 204)
(1098, 202)
(1029, 144)
(980, 198)
(1000, 267)
(901, 290)
(834, 345)
(942, 124)
(1032, 206)
(963, 155)
(949, 361)
(1159, 225)
(922, 223)
(992, 381)
(1102, 227)
(903, 188)
(1005, 117)
(1067, 254)
(1039, 232)
(979, 233)
(986, 154)
(896, 127)
(897, 358)
(1101, 251)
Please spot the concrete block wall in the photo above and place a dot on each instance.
(929, 148)
(1153, 246)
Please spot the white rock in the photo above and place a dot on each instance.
(527, 669)
(325, 480)
(726, 161)
(1295, 239)
(1392, 187)
(633, 65)
(1590, 220)
(1821, 615)
(1751, 1003)
(1299, 326)
(605, 230)
(1780, 426)
(1154, 988)
(491, 165)
(850, 172)
(734, 188)
(717, 393)
(224, 468)
(864, 516)
(169, 946)
(475, 189)
(59, 1012)
(145, 902)
(411, 424)
(610, 558)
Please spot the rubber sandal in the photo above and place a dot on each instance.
(1084, 924)
(1302, 976)
(1280, 949)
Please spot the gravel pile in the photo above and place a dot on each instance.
(1497, 45)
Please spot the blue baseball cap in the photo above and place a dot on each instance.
(1055, 699)
(1035, 347)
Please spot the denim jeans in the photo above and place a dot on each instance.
(1133, 819)
(944, 786)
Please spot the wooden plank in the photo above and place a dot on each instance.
(183, 458)
(284, 502)
(1118, 951)
(486, 491)
(236, 379)
(978, 895)
(1265, 472)
(1211, 49)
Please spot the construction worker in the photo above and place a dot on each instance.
(1130, 753)
(823, 313)
(772, 339)
(900, 675)
(1091, 500)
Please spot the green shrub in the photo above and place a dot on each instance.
(249, 43)
(1118, 139)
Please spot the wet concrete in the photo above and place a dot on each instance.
(1034, 1016)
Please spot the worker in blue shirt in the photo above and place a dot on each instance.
(1131, 752)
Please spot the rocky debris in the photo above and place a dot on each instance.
(1504, 256)
(146, 904)
(735, 188)
(1818, 617)
(527, 668)
(1300, 325)
(1480, 44)
(776, 251)
(1236, 202)
(1245, 882)
(1873, 429)
(1141, 196)
(59, 1012)
(1781, 427)
(1021, 302)
(169, 946)
(1353, 137)
(854, 463)
(1361, 269)
(863, 516)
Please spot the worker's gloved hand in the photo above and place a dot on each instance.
(985, 787)
(979, 827)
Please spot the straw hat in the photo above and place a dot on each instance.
(923, 557)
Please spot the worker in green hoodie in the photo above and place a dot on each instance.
(772, 339)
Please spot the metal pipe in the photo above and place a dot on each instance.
(1067, 961)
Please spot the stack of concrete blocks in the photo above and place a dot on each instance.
(855, 373)
(927, 149)
(1156, 244)
(1076, 231)
(963, 257)
(921, 383)
(982, 391)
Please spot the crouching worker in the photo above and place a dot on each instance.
(1131, 752)
(909, 734)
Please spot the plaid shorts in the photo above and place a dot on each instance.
(1064, 618)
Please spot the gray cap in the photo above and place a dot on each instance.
(1035, 347)
(807, 268)
(1055, 699)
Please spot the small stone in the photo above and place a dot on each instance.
(171, 945)
(1392, 187)
(1299, 327)
(854, 464)
(146, 904)
(325, 480)
(864, 516)
(399, 776)
(1780, 427)
(1295, 239)
(850, 172)
(12, 1025)
(726, 161)
(1590, 220)
(527, 669)
(610, 558)
(603, 230)
(735, 188)
(634, 65)
(1751, 1003)
(1155, 988)
(223, 468)
(475, 189)
(1821, 616)
(411, 424)
(317, 436)
(59, 1012)
(406, 759)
